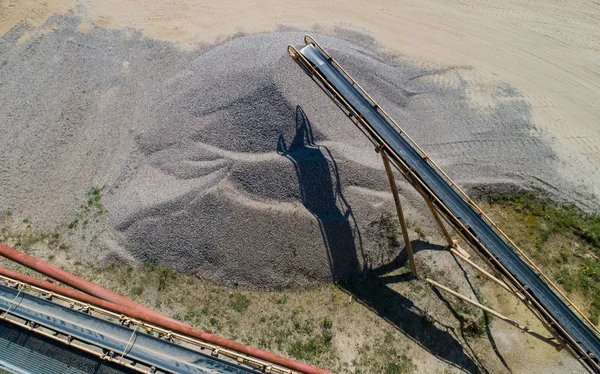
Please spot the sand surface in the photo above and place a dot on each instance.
(549, 51)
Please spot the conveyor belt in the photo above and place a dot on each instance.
(23, 351)
(574, 331)
(139, 347)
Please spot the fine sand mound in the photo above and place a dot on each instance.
(229, 161)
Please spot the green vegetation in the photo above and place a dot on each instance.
(387, 240)
(26, 239)
(310, 349)
(383, 357)
(281, 323)
(165, 275)
(282, 300)
(137, 290)
(474, 321)
(239, 302)
(552, 218)
(313, 324)
(560, 239)
(420, 232)
(307, 325)
(92, 208)
(73, 223)
(389, 228)
(93, 202)
(304, 325)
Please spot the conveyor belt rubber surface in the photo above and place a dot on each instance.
(576, 328)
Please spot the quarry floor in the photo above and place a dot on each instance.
(104, 158)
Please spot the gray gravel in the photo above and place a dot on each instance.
(229, 162)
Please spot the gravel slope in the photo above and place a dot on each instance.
(229, 162)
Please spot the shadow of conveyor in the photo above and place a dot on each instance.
(374, 292)
(321, 194)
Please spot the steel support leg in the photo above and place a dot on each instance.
(400, 213)
(436, 216)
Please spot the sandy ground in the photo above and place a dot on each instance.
(549, 51)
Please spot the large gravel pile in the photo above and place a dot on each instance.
(230, 162)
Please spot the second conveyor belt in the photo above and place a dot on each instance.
(138, 346)
(454, 202)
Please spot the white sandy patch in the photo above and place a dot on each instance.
(549, 52)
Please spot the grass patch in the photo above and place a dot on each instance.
(165, 276)
(239, 302)
(389, 230)
(310, 349)
(91, 208)
(474, 321)
(282, 300)
(25, 240)
(313, 324)
(552, 218)
(384, 357)
(420, 232)
(93, 202)
(387, 240)
(563, 241)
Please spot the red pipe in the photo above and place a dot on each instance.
(80, 296)
(73, 280)
(158, 319)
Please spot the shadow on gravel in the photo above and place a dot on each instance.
(321, 194)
